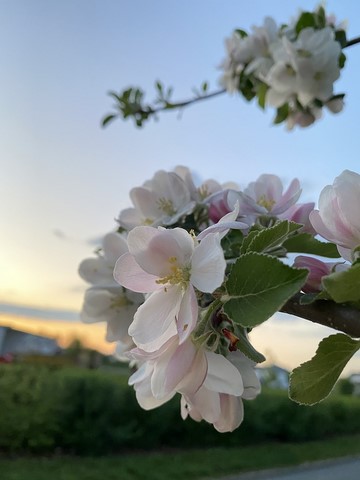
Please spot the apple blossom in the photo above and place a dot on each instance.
(266, 197)
(160, 201)
(106, 301)
(168, 264)
(299, 213)
(338, 218)
(219, 399)
(317, 270)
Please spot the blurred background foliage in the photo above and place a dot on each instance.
(52, 409)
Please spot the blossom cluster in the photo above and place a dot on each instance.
(160, 281)
(290, 67)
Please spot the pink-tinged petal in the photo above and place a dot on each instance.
(154, 317)
(248, 206)
(130, 275)
(152, 248)
(114, 245)
(195, 378)
(148, 402)
(268, 186)
(300, 213)
(290, 197)
(208, 264)
(345, 253)
(319, 226)
(222, 229)
(222, 376)
(171, 368)
(317, 270)
(206, 403)
(188, 314)
(141, 374)
(232, 413)
(334, 219)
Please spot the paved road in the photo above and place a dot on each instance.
(345, 469)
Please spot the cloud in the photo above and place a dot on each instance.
(41, 313)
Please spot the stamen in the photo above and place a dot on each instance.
(264, 202)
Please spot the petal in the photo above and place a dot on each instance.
(208, 264)
(154, 317)
(171, 368)
(130, 275)
(188, 314)
(192, 382)
(223, 376)
(152, 248)
(96, 271)
(290, 197)
(114, 245)
(252, 386)
(206, 403)
(232, 413)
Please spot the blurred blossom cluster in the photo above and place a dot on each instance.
(289, 67)
(160, 280)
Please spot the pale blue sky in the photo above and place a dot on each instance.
(62, 172)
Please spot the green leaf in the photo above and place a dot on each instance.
(246, 348)
(281, 114)
(107, 119)
(261, 93)
(320, 17)
(340, 36)
(342, 60)
(258, 286)
(306, 243)
(247, 240)
(204, 87)
(307, 19)
(271, 238)
(344, 286)
(242, 33)
(313, 380)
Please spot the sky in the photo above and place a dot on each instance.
(64, 179)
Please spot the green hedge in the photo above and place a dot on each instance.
(93, 412)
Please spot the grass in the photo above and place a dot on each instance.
(177, 465)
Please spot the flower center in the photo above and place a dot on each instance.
(265, 202)
(178, 275)
(121, 301)
(166, 206)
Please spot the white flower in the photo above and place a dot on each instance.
(168, 264)
(250, 54)
(171, 369)
(160, 201)
(306, 68)
(219, 399)
(99, 270)
(201, 193)
(106, 301)
(266, 197)
(338, 218)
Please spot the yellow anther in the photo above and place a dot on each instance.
(166, 206)
(266, 203)
(177, 276)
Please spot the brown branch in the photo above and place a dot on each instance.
(352, 42)
(341, 317)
